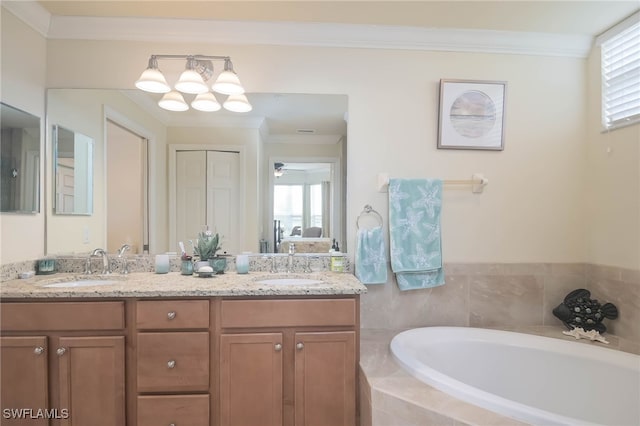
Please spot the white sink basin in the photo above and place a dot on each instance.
(80, 283)
(289, 281)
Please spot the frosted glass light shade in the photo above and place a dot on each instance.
(228, 83)
(173, 101)
(152, 80)
(206, 102)
(237, 103)
(191, 82)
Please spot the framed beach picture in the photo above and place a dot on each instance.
(472, 114)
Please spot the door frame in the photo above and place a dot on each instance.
(173, 149)
(149, 184)
(336, 192)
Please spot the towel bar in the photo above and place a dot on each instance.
(477, 182)
(368, 210)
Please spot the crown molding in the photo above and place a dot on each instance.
(300, 34)
(31, 13)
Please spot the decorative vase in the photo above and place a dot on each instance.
(219, 264)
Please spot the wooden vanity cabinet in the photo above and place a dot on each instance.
(288, 362)
(24, 379)
(173, 362)
(64, 347)
(200, 362)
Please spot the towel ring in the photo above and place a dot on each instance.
(368, 210)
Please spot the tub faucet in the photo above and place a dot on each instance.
(106, 265)
(292, 251)
(125, 265)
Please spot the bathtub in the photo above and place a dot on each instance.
(534, 379)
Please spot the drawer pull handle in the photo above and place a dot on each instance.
(38, 350)
(61, 351)
(278, 347)
(171, 315)
(172, 424)
(171, 364)
(299, 345)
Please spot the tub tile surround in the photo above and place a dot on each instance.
(514, 294)
(389, 396)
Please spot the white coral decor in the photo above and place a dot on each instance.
(579, 333)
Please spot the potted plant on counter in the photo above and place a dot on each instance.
(207, 245)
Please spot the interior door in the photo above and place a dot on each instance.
(126, 195)
(222, 197)
(191, 194)
(207, 193)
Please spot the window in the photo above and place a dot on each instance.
(297, 205)
(620, 51)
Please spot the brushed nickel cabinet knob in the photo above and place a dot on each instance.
(299, 345)
(171, 315)
(171, 364)
(61, 351)
(38, 350)
(278, 347)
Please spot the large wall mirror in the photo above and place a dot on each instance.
(285, 126)
(19, 161)
(73, 171)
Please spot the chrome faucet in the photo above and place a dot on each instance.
(106, 265)
(125, 265)
(292, 251)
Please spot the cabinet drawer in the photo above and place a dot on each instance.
(179, 410)
(52, 316)
(172, 314)
(170, 362)
(288, 313)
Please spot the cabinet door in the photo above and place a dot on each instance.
(23, 381)
(251, 379)
(325, 379)
(91, 382)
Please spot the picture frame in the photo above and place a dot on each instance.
(472, 114)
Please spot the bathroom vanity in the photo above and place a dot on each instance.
(174, 350)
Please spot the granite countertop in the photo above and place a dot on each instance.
(173, 284)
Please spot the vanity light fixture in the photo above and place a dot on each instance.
(193, 80)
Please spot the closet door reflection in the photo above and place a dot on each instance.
(207, 188)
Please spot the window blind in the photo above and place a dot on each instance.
(621, 76)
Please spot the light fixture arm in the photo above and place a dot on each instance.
(198, 69)
(206, 57)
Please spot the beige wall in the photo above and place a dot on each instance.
(535, 206)
(23, 74)
(613, 185)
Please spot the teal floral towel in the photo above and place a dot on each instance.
(371, 257)
(414, 229)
